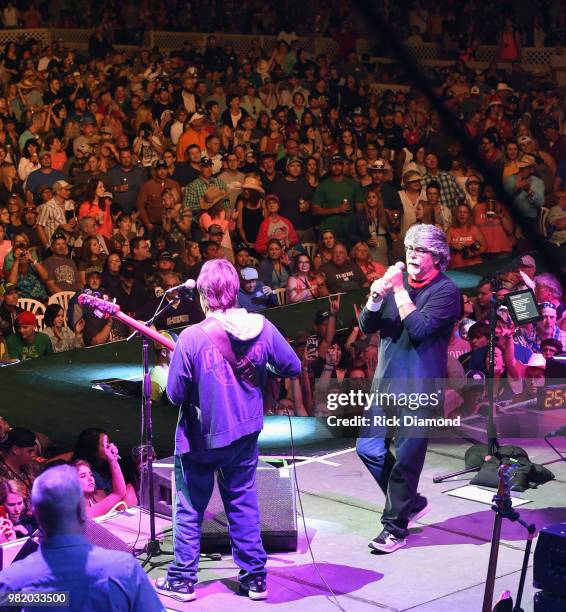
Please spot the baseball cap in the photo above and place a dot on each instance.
(92, 270)
(43, 153)
(503, 314)
(196, 117)
(19, 436)
(166, 255)
(249, 273)
(26, 318)
(525, 140)
(160, 163)
(6, 288)
(61, 185)
(58, 236)
(336, 159)
(378, 165)
(215, 229)
(296, 160)
(527, 261)
(206, 161)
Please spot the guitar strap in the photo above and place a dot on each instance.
(242, 367)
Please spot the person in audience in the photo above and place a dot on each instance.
(97, 205)
(27, 343)
(547, 327)
(253, 295)
(21, 270)
(466, 241)
(548, 289)
(62, 338)
(495, 222)
(361, 255)
(18, 454)
(62, 272)
(94, 578)
(12, 499)
(98, 502)
(372, 227)
(275, 226)
(304, 284)
(274, 270)
(325, 245)
(341, 273)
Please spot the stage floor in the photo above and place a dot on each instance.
(442, 568)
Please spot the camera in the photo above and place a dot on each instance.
(312, 343)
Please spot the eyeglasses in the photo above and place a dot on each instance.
(547, 305)
(418, 250)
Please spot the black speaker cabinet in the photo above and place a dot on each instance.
(549, 565)
(276, 508)
(546, 602)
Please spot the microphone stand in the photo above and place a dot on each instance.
(153, 546)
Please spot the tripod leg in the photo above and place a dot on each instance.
(524, 568)
(492, 567)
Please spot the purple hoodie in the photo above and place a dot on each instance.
(218, 408)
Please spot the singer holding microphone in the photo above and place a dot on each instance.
(415, 316)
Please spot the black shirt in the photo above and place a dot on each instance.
(289, 193)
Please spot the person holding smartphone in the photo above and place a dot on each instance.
(57, 213)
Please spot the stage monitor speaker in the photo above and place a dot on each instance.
(547, 602)
(276, 508)
(549, 566)
(96, 534)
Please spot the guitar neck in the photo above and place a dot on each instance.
(145, 330)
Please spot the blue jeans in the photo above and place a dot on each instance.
(397, 475)
(236, 466)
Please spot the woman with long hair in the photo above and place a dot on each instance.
(274, 139)
(362, 175)
(177, 220)
(92, 257)
(361, 255)
(57, 150)
(13, 500)
(15, 207)
(310, 142)
(472, 190)
(305, 284)
(29, 161)
(62, 338)
(110, 279)
(312, 171)
(10, 184)
(325, 245)
(190, 256)
(274, 270)
(410, 196)
(510, 158)
(97, 205)
(250, 209)
(122, 235)
(21, 270)
(102, 480)
(371, 226)
(348, 146)
(466, 241)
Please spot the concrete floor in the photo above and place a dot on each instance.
(442, 568)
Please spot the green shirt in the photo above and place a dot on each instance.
(18, 349)
(330, 194)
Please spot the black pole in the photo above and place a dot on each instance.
(492, 441)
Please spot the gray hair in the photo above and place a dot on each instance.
(549, 280)
(55, 496)
(432, 239)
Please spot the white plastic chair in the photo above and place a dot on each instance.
(62, 298)
(32, 306)
(254, 262)
(310, 248)
(281, 295)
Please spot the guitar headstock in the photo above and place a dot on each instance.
(102, 308)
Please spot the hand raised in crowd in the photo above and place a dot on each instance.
(7, 533)
(267, 290)
(334, 304)
(111, 451)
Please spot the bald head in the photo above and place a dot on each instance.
(58, 500)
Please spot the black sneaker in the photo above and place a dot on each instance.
(181, 590)
(386, 542)
(255, 589)
(421, 507)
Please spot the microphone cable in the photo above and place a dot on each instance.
(333, 598)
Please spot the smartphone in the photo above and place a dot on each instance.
(312, 343)
(69, 215)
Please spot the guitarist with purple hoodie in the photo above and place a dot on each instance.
(217, 376)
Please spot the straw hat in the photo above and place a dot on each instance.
(212, 196)
(252, 182)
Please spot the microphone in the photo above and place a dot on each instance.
(400, 266)
(188, 285)
(557, 433)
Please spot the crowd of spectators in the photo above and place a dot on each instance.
(122, 173)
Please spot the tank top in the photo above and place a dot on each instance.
(251, 220)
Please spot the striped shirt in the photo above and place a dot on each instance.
(52, 215)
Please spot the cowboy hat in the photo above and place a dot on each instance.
(252, 182)
(212, 196)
